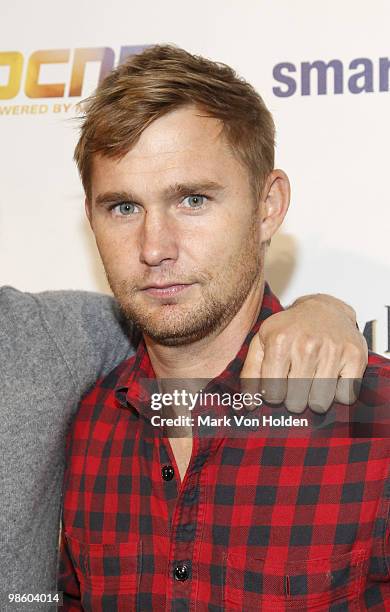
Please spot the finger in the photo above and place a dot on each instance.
(254, 359)
(297, 396)
(250, 373)
(300, 378)
(274, 371)
(322, 393)
(347, 390)
(323, 388)
(351, 374)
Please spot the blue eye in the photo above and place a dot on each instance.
(125, 209)
(195, 201)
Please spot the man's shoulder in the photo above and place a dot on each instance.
(375, 391)
(371, 413)
(378, 365)
(377, 373)
(56, 307)
(12, 294)
(16, 305)
(110, 382)
(85, 330)
(98, 412)
(86, 304)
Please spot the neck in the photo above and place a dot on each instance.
(209, 356)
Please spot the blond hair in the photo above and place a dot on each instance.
(163, 78)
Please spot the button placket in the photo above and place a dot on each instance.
(187, 522)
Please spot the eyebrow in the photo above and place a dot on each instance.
(171, 192)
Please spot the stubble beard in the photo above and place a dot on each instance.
(221, 297)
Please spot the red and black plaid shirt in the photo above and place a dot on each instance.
(258, 523)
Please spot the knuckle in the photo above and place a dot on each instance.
(279, 345)
(280, 339)
(311, 345)
(330, 352)
(354, 352)
(332, 348)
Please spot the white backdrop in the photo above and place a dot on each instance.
(334, 146)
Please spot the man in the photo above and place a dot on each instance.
(176, 158)
(54, 345)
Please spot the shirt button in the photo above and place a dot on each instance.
(181, 572)
(167, 472)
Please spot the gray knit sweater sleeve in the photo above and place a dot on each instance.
(88, 330)
(53, 346)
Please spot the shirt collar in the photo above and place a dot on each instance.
(131, 390)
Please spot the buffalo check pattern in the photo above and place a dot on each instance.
(258, 523)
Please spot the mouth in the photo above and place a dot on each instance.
(163, 291)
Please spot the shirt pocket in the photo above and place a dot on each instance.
(318, 584)
(109, 574)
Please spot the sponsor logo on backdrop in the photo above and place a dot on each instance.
(320, 77)
(22, 75)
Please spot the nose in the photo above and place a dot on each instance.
(158, 244)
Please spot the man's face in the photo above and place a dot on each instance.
(177, 228)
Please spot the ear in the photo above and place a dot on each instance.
(275, 202)
(88, 210)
